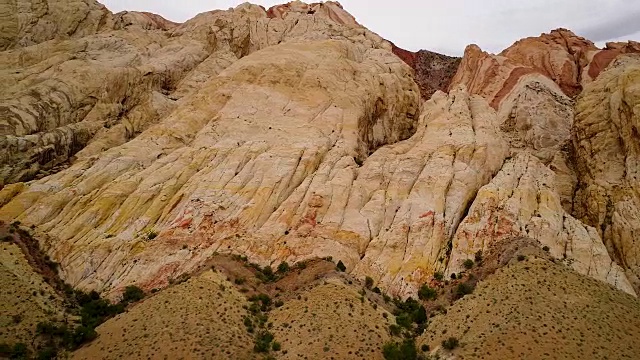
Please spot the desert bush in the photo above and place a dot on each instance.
(131, 294)
(395, 330)
(283, 267)
(340, 266)
(239, 281)
(468, 264)
(47, 353)
(521, 258)
(546, 248)
(152, 235)
(403, 351)
(450, 343)
(368, 282)
(263, 341)
(438, 275)
(276, 346)
(427, 293)
(463, 289)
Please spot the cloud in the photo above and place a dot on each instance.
(626, 24)
(449, 26)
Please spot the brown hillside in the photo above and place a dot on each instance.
(536, 309)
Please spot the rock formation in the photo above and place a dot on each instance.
(433, 71)
(608, 149)
(294, 133)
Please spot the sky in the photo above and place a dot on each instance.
(448, 26)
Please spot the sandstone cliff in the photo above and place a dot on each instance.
(294, 133)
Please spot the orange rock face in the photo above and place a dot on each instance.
(603, 58)
(560, 55)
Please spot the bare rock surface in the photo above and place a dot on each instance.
(607, 145)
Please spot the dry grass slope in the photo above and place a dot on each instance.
(25, 297)
(198, 319)
(536, 309)
(331, 321)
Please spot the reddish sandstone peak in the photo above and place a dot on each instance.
(331, 10)
(603, 58)
(560, 55)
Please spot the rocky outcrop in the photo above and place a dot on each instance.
(521, 201)
(433, 71)
(239, 150)
(607, 144)
(559, 56)
(531, 85)
(600, 59)
(104, 89)
(30, 22)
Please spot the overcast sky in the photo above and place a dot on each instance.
(447, 26)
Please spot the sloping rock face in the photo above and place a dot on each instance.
(532, 85)
(294, 133)
(608, 149)
(433, 71)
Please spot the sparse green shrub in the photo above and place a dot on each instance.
(420, 315)
(463, 289)
(5, 349)
(47, 353)
(427, 293)
(263, 341)
(239, 281)
(152, 235)
(340, 266)
(376, 290)
(266, 274)
(279, 303)
(131, 294)
(368, 282)
(276, 346)
(450, 343)
(453, 276)
(403, 351)
(394, 329)
(468, 264)
(438, 275)
(522, 258)
(283, 267)
(19, 351)
(546, 248)
(478, 256)
(264, 299)
(425, 347)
